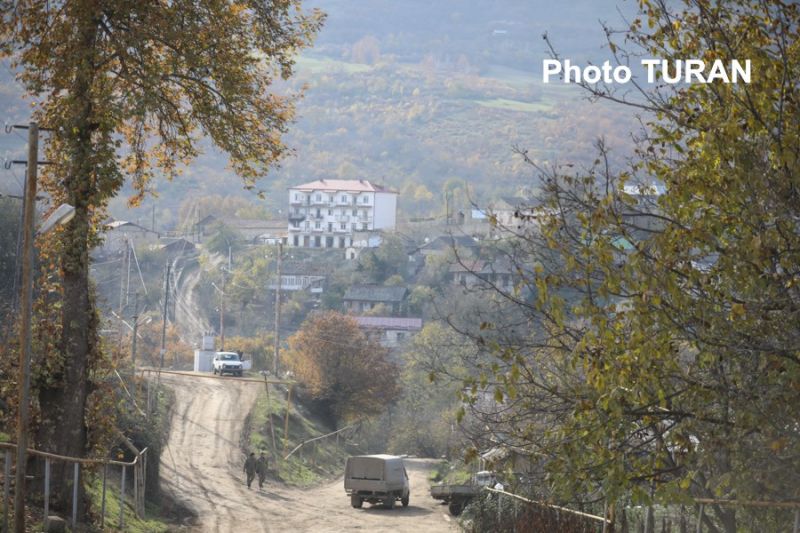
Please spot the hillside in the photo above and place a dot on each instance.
(416, 93)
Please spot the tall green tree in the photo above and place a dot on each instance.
(129, 89)
(670, 297)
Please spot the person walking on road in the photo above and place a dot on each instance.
(261, 469)
(250, 468)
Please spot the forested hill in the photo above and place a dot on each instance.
(421, 95)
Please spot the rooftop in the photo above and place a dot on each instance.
(342, 185)
(389, 322)
(375, 293)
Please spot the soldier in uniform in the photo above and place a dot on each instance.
(261, 469)
(250, 468)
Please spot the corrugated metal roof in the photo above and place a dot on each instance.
(375, 293)
(389, 322)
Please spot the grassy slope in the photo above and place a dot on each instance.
(314, 462)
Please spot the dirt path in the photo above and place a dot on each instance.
(202, 467)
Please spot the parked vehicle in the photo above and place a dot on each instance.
(458, 496)
(376, 479)
(228, 362)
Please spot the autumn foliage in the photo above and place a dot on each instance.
(348, 375)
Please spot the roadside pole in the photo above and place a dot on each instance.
(286, 420)
(26, 313)
(271, 424)
(276, 354)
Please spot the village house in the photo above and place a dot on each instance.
(119, 234)
(473, 273)
(389, 331)
(328, 213)
(301, 276)
(362, 298)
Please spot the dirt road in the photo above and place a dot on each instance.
(202, 467)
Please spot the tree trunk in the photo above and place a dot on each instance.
(63, 402)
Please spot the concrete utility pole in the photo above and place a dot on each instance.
(26, 301)
(135, 329)
(277, 314)
(164, 321)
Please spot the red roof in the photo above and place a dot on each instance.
(342, 185)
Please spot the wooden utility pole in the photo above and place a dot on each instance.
(286, 420)
(276, 353)
(26, 301)
(271, 424)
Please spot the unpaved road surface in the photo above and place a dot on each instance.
(202, 468)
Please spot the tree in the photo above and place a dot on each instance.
(346, 374)
(671, 305)
(9, 229)
(128, 88)
(422, 421)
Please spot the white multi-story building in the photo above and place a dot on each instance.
(327, 213)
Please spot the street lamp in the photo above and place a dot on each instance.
(63, 214)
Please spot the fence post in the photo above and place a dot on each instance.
(700, 518)
(122, 501)
(103, 506)
(75, 495)
(6, 489)
(46, 487)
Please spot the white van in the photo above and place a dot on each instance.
(376, 479)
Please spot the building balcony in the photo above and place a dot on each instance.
(342, 218)
(299, 217)
(301, 201)
(295, 228)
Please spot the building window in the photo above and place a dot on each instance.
(344, 198)
(400, 336)
(364, 226)
(365, 200)
(319, 197)
(330, 211)
(353, 226)
(296, 241)
(317, 225)
(355, 212)
(344, 225)
(330, 226)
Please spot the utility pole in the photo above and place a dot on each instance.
(222, 314)
(122, 295)
(135, 330)
(26, 301)
(164, 320)
(277, 314)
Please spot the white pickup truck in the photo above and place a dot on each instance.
(228, 363)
